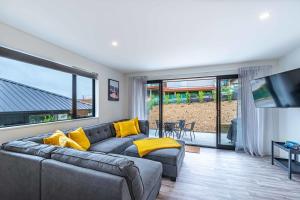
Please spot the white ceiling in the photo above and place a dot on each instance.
(160, 34)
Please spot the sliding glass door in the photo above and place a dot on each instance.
(200, 111)
(189, 110)
(227, 107)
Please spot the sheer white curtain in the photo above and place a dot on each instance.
(256, 126)
(137, 97)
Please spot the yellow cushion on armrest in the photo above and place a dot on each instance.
(80, 138)
(54, 138)
(64, 141)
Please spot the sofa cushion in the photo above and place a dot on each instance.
(116, 128)
(111, 164)
(20, 176)
(113, 131)
(150, 172)
(112, 145)
(137, 126)
(54, 138)
(137, 137)
(98, 132)
(80, 138)
(127, 128)
(144, 126)
(166, 156)
(31, 148)
(64, 141)
(39, 138)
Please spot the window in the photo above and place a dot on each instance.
(42, 91)
(84, 97)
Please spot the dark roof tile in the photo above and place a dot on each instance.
(16, 97)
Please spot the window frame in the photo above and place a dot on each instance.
(73, 71)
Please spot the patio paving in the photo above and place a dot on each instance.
(207, 139)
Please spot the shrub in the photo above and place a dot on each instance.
(151, 103)
(48, 118)
(201, 96)
(178, 98)
(188, 98)
(167, 98)
(227, 90)
(229, 96)
(214, 96)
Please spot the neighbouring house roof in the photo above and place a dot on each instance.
(17, 97)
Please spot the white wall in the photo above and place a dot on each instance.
(107, 110)
(289, 119)
(290, 61)
(201, 71)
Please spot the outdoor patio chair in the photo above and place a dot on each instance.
(157, 126)
(179, 128)
(191, 130)
(231, 134)
(169, 129)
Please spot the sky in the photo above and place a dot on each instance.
(43, 78)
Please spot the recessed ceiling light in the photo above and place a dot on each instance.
(264, 16)
(114, 43)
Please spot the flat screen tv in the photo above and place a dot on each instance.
(279, 90)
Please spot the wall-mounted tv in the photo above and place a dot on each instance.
(279, 90)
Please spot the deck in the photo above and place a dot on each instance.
(201, 138)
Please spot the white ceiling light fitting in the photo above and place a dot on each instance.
(264, 16)
(114, 43)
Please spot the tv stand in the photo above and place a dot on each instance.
(292, 165)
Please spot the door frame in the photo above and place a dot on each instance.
(160, 104)
(219, 145)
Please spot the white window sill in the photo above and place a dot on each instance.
(48, 123)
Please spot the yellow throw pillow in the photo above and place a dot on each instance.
(137, 126)
(53, 139)
(117, 129)
(127, 128)
(80, 138)
(64, 141)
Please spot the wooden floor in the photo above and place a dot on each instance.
(221, 174)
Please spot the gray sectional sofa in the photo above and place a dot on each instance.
(32, 170)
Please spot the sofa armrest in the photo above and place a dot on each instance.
(19, 176)
(144, 126)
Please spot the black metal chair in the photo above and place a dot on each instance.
(157, 126)
(191, 130)
(231, 134)
(179, 128)
(169, 129)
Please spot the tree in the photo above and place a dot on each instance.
(201, 96)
